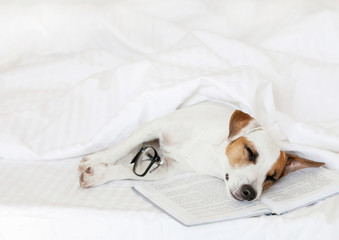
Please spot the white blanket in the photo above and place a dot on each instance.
(79, 76)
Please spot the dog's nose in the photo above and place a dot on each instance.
(248, 193)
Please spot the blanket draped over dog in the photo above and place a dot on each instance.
(78, 79)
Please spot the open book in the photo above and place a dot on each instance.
(195, 199)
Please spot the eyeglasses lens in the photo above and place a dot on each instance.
(144, 160)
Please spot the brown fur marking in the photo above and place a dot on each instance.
(295, 162)
(237, 154)
(276, 171)
(238, 121)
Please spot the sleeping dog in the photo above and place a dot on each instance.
(209, 138)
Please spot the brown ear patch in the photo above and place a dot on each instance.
(241, 152)
(295, 162)
(286, 164)
(238, 121)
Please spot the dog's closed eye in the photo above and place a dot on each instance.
(272, 178)
(252, 155)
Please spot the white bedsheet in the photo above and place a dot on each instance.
(77, 77)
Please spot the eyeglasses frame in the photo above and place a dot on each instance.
(156, 159)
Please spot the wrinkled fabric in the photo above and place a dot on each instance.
(79, 77)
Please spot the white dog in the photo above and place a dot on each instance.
(209, 138)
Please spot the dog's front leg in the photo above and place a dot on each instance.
(101, 174)
(111, 156)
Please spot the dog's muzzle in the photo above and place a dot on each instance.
(245, 192)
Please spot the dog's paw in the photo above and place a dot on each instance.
(93, 175)
(91, 161)
(92, 170)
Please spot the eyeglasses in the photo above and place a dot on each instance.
(146, 160)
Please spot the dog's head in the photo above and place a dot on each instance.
(255, 162)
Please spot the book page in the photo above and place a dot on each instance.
(301, 188)
(195, 199)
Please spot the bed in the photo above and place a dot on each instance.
(77, 77)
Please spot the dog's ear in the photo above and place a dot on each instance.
(240, 124)
(295, 162)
